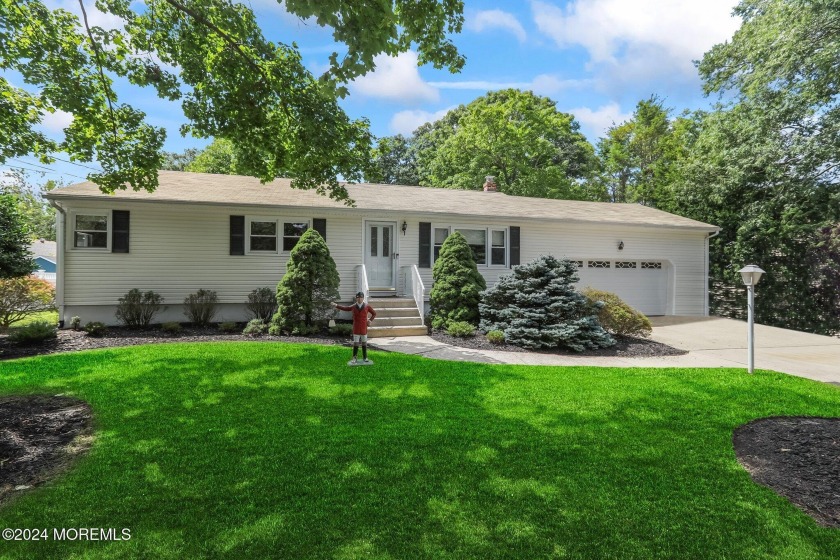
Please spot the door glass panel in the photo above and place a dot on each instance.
(386, 242)
(374, 234)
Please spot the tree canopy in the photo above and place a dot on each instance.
(231, 81)
(520, 138)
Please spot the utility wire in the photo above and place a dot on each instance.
(22, 165)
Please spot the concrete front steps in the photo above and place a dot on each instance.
(395, 317)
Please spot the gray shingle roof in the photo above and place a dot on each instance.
(234, 190)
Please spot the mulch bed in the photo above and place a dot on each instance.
(71, 341)
(40, 437)
(625, 346)
(798, 458)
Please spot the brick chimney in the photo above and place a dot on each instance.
(490, 184)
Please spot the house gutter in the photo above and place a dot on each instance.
(60, 228)
(706, 273)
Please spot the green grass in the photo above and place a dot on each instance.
(264, 450)
(48, 316)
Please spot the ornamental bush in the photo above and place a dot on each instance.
(496, 337)
(262, 302)
(457, 284)
(23, 296)
(617, 317)
(307, 290)
(201, 307)
(34, 334)
(537, 307)
(460, 329)
(96, 329)
(137, 309)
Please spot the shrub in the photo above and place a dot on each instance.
(23, 296)
(496, 337)
(274, 330)
(96, 329)
(228, 327)
(137, 309)
(310, 285)
(201, 307)
(457, 284)
(75, 322)
(255, 327)
(262, 303)
(460, 329)
(171, 327)
(33, 334)
(617, 317)
(341, 329)
(537, 307)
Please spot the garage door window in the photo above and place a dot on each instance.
(625, 264)
(651, 265)
(599, 264)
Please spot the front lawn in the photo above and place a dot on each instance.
(263, 450)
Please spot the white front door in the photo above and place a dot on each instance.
(380, 258)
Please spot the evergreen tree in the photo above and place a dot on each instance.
(537, 307)
(15, 258)
(456, 284)
(310, 285)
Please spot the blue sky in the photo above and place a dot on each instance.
(595, 58)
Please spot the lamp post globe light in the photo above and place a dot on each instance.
(751, 274)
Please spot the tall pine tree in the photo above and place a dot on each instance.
(15, 258)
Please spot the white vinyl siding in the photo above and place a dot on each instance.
(178, 248)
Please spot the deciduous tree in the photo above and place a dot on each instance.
(212, 57)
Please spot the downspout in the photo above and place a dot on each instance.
(59, 260)
(706, 274)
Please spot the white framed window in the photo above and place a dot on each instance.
(477, 240)
(262, 235)
(489, 245)
(498, 247)
(292, 230)
(91, 229)
(439, 235)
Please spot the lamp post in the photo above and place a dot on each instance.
(751, 275)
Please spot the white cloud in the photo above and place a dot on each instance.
(544, 84)
(496, 19)
(396, 79)
(56, 122)
(594, 124)
(666, 35)
(406, 122)
(94, 16)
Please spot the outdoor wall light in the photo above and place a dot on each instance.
(621, 245)
(751, 274)
(404, 227)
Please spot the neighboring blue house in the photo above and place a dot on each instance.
(45, 264)
(44, 254)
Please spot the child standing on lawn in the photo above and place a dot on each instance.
(360, 311)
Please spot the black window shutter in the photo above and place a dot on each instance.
(237, 235)
(320, 225)
(119, 231)
(514, 246)
(425, 259)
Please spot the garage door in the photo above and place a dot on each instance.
(642, 284)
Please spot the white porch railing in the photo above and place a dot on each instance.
(362, 281)
(48, 276)
(414, 285)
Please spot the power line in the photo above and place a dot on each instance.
(74, 163)
(22, 165)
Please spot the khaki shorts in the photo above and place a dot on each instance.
(359, 338)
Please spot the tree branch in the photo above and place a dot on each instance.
(226, 37)
(108, 93)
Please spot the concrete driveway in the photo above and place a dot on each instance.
(719, 342)
(710, 341)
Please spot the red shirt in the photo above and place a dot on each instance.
(359, 316)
